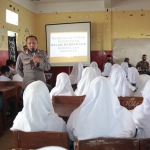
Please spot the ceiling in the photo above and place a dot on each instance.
(59, 1)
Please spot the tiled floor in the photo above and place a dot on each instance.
(6, 141)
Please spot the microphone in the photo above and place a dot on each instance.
(33, 52)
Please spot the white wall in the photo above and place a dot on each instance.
(70, 7)
(82, 6)
(26, 4)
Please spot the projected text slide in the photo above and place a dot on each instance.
(68, 46)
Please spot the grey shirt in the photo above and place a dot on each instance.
(29, 70)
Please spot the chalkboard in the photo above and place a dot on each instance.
(132, 49)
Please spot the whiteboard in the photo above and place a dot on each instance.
(132, 49)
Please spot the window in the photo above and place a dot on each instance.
(11, 17)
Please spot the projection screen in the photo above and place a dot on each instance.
(68, 43)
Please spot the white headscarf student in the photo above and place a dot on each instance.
(132, 75)
(141, 114)
(38, 113)
(52, 148)
(107, 69)
(122, 86)
(114, 67)
(141, 81)
(76, 72)
(124, 66)
(17, 77)
(63, 86)
(88, 74)
(100, 114)
(95, 66)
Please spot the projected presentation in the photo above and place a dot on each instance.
(68, 44)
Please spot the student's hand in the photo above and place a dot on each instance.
(136, 88)
(36, 59)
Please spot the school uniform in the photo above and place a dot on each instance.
(88, 74)
(132, 75)
(3, 78)
(100, 114)
(95, 66)
(122, 87)
(141, 114)
(124, 66)
(75, 74)
(63, 86)
(38, 113)
(107, 69)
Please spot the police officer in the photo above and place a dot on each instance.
(32, 62)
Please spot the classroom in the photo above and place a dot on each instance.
(118, 29)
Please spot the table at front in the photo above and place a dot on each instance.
(64, 111)
(9, 92)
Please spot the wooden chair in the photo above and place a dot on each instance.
(1, 125)
(107, 144)
(145, 144)
(68, 100)
(130, 102)
(34, 140)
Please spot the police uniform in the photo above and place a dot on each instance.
(29, 70)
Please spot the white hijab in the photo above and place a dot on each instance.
(76, 72)
(132, 75)
(141, 114)
(114, 67)
(120, 83)
(38, 113)
(63, 86)
(124, 66)
(100, 114)
(88, 74)
(52, 148)
(95, 66)
(141, 81)
(107, 69)
(17, 77)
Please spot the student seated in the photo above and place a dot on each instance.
(38, 112)
(141, 114)
(95, 66)
(52, 148)
(124, 66)
(63, 86)
(88, 74)
(75, 74)
(132, 75)
(114, 67)
(141, 82)
(107, 69)
(17, 77)
(5, 73)
(100, 114)
(119, 81)
(10, 64)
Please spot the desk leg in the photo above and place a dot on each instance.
(4, 117)
(16, 102)
(1, 124)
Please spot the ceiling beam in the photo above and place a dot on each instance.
(107, 3)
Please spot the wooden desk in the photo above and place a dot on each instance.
(64, 111)
(9, 92)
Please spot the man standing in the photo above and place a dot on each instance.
(143, 65)
(109, 59)
(32, 63)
